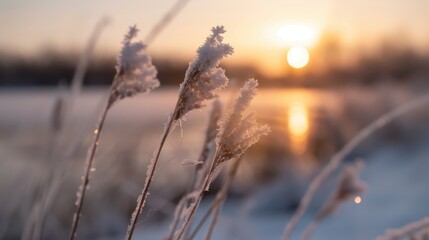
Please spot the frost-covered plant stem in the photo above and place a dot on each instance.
(202, 221)
(406, 231)
(310, 229)
(89, 164)
(177, 215)
(165, 20)
(200, 169)
(221, 197)
(339, 156)
(349, 185)
(149, 178)
(39, 210)
(182, 205)
(194, 206)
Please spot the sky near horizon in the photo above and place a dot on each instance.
(29, 26)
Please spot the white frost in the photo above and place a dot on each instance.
(134, 70)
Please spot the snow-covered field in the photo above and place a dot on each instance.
(270, 183)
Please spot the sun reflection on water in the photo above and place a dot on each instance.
(298, 126)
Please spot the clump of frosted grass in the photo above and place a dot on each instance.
(134, 74)
(349, 186)
(203, 79)
(239, 129)
(418, 230)
(237, 132)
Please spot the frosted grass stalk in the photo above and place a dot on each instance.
(206, 151)
(340, 155)
(420, 227)
(221, 196)
(238, 131)
(165, 20)
(35, 222)
(78, 76)
(349, 186)
(134, 74)
(203, 79)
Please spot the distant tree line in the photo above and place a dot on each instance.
(390, 64)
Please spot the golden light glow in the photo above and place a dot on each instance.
(298, 57)
(358, 199)
(297, 34)
(298, 126)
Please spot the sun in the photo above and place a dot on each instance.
(297, 57)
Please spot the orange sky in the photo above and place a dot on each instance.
(253, 25)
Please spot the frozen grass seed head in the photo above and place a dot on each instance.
(203, 76)
(239, 129)
(134, 70)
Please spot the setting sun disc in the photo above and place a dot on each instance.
(298, 57)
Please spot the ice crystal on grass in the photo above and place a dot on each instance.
(239, 129)
(134, 70)
(203, 76)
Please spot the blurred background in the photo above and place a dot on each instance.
(326, 68)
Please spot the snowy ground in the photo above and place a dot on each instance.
(396, 170)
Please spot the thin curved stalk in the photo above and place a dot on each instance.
(187, 222)
(78, 77)
(39, 208)
(221, 197)
(149, 178)
(177, 215)
(195, 183)
(339, 156)
(181, 206)
(405, 231)
(85, 180)
(202, 221)
(308, 232)
(165, 20)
